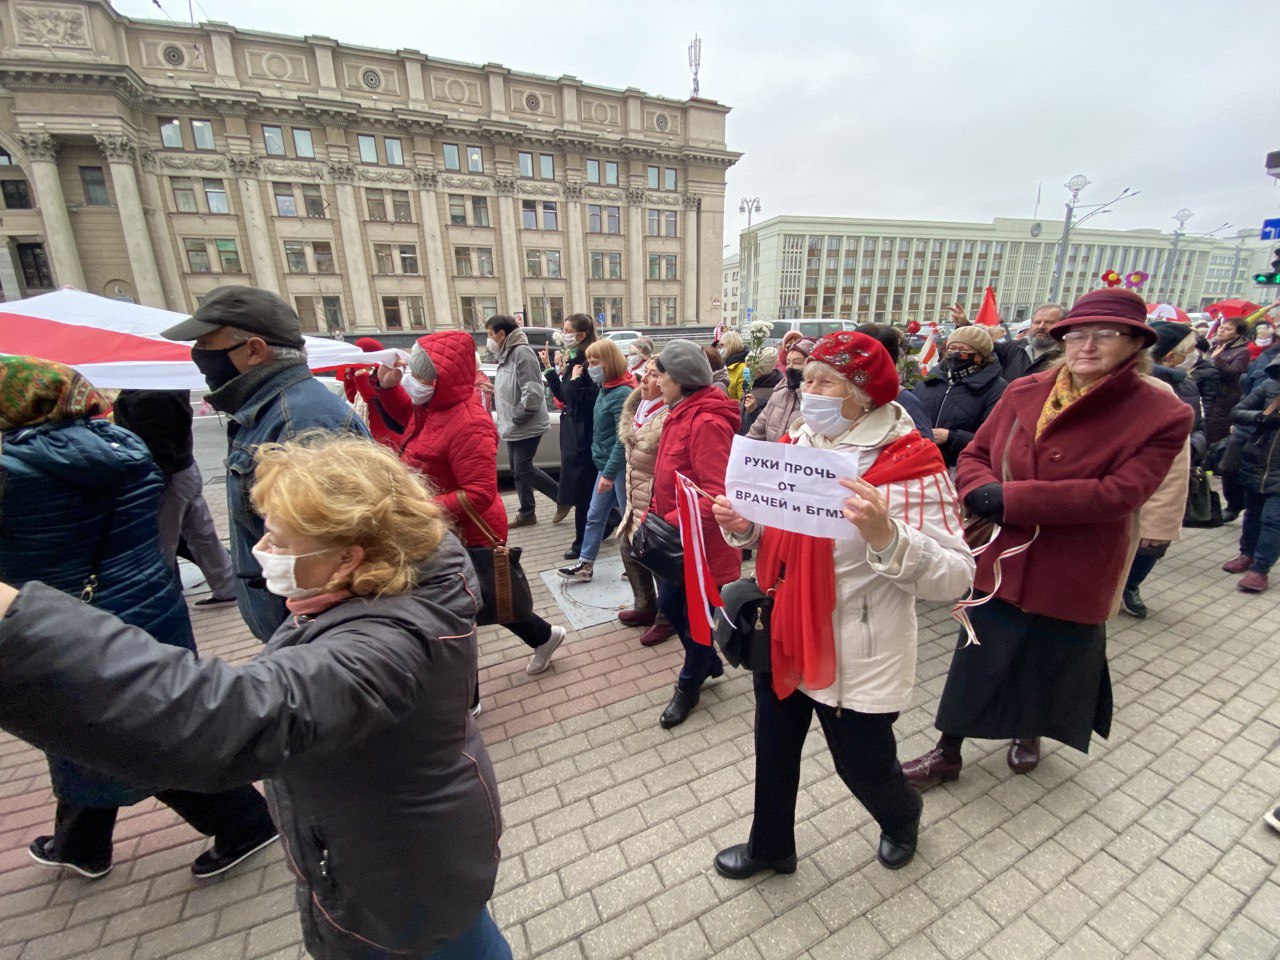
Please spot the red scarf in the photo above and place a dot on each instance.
(802, 644)
(627, 380)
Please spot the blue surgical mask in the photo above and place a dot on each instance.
(822, 414)
(596, 374)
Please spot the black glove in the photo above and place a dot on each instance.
(987, 502)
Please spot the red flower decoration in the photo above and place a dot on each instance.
(1111, 278)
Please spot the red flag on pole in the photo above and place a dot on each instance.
(699, 589)
(988, 315)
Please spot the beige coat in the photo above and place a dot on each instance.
(1160, 518)
(642, 452)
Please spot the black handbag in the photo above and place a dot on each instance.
(1204, 506)
(741, 629)
(655, 545)
(504, 588)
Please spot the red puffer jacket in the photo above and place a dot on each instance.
(451, 440)
(696, 436)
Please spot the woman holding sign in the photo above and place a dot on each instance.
(843, 631)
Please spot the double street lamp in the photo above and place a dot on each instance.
(1076, 184)
(747, 205)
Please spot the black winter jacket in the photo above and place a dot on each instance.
(1185, 387)
(1208, 382)
(1260, 453)
(960, 407)
(378, 779)
(162, 418)
(1016, 363)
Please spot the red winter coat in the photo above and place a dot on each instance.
(1081, 483)
(451, 440)
(696, 436)
(360, 382)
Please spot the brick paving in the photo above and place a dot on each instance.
(1151, 846)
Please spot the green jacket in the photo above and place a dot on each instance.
(607, 452)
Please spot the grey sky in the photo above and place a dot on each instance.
(914, 109)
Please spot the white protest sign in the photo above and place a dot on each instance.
(790, 487)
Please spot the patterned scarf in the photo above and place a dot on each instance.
(35, 391)
(1064, 394)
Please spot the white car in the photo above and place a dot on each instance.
(623, 338)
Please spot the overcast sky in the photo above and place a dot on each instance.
(904, 109)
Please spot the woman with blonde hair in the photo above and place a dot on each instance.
(734, 351)
(355, 712)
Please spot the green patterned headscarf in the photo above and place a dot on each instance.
(35, 391)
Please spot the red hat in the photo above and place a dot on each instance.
(861, 360)
(368, 344)
(1108, 305)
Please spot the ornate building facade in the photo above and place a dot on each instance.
(374, 190)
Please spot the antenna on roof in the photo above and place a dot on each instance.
(695, 61)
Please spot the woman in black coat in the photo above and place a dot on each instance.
(1259, 477)
(577, 392)
(960, 391)
(1231, 356)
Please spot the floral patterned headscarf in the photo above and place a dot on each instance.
(35, 391)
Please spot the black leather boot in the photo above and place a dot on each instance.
(682, 702)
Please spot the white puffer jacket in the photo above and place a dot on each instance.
(874, 620)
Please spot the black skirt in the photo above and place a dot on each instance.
(1028, 676)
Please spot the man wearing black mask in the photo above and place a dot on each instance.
(249, 346)
(1035, 353)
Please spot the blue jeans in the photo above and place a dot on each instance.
(481, 941)
(598, 517)
(1260, 532)
(699, 661)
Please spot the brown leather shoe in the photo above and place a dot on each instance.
(1024, 755)
(930, 769)
(1239, 565)
(524, 520)
(658, 633)
(1252, 582)
(637, 618)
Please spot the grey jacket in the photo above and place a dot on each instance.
(379, 781)
(518, 398)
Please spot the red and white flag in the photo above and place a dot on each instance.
(700, 590)
(928, 354)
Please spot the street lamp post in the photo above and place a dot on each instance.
(1169, 286)
(747, 205)
(1075, 185)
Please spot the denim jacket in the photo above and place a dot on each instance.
(290, 403)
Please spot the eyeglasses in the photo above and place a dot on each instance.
(1078, 338)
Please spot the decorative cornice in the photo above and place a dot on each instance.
(117, 149)
(180, 162)
(635, 196)
(616, 196)
(243, 164)
(425, 179)
(341, 171)
(282, 168)
(538, 189)
(385, 176)
(505, 186)
(464, 183)
(38, 146)
(662, 199)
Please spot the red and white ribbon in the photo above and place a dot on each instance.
(701, 594)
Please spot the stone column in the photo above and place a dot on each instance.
(153, 208)
(637, 309)
(364, 312)
(690, 271)
(577, 250)
(509, 236)
(244, 168)
(120, 152)
(437, 262)
(42, 153)
(10, 271)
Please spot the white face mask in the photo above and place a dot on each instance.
(596, 374)
(823, 415)
(570, 339)
(493, 346)
(418, 391)
(277, 569)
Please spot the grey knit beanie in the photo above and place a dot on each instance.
(686, 362)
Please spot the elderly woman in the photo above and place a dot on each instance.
(1061, 466)
(355, 711)
(639, 431)
(734, 352)
(783, 406)
(639, 353)
(959, 393)
(765, 376)
(844, 622)
(78, 512)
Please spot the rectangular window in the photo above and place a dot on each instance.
(286, 203)
(476, 310)
(197, 256)
(368, 146)
(593, 171)
(313, 200)
(394, 150)
(322, 250)
(668, 178)
(462, 261)
(215, 196)
(376, 204)
(484, 261)
(529, 214)
(479, 211)
(184, 194)
(662, 266)
(613, 220)
(550, 219)
(475, 160)
(383, 258)
(17, 195)
(662, 311)
(546, 311)
(610, 308)
(202, 133)
(546, 166)
(653, 173)
(95, 187)
(35, 265)
(669, 223)
(413, 308)
(228, 256)
(332, 312)
(533, 263)
(553, 264)
(615, 266)
(597, 265)
(451, 158)
(171, 134)
(302, 144)
(408, 258)
(295, 256)
(654, 224)
(391, 313)
(401, 208)
(457, 210)
(273, 140)
(611, 176)
(595, 218)
(526, 164)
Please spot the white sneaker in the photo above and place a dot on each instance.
(1273, 818)
(474, 711)
(541, 658)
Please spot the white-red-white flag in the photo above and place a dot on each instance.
(701, 594)
(928, 354)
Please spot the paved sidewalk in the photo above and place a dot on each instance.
(1151, 846)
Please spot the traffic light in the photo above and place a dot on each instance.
(1271, 279)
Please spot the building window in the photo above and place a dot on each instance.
(384, 259)
(546, 311)
(669, 178)
(35, 265)
(368, 146)
(295, 256)
(651, 180)
(526, 165)
(484, 261)
(457, 210)
(662, 223)
(391, 313)
(302, 144)
(413, 308)
(611, 180)
(215, 196)
(609, 168)
(603, 219)
(546, 166)
(462, 261)
(392, 147)
(202, 134)
(608, 310)
(662, 311)
(401, 208)
(376, 204)
(313, 201)
(479, 211)
(473, 261)
(553, 264)
(542, 263)
(197, 256)
(451, 157)
(550, 217)
(184, 194)
(476, 310)
(662, 266)
(17, 195)
(6, 159)
(593, 171)
(408, 258)
(475, 160)
(322, 250)
(606, 266)
(286, 202)
(171, 133)
(332, 312)
(228, 256)
(95, 187)
(273, 141)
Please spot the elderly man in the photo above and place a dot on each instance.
(249, 346)
(1032, 354)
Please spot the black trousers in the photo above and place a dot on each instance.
(528, 478)
(866, 758)
(533, 630)
(580, 510)
(232, 817)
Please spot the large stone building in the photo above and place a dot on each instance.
(730, 294)
(374, 190)
(900, 270)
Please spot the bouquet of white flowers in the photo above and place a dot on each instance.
(758, 331)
